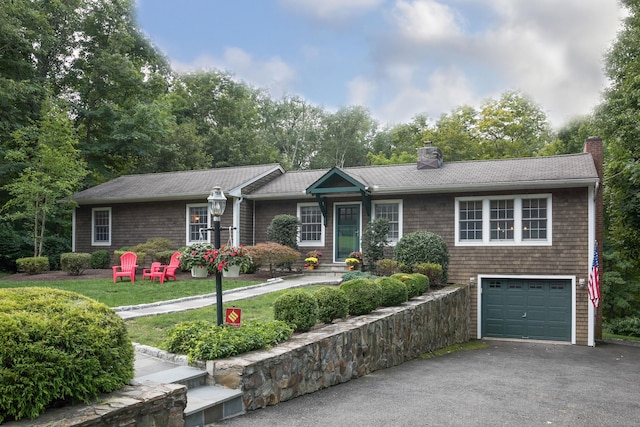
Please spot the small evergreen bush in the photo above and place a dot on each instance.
(416, 283)
(393, 291)
(201, 340)
(33, 265)
(374, 240)
(363, 295)
(332, 304)
(386, 267)
(75, 263)
(298, 308)
(423, 246)
(58, 345)
(153, 247)
(284, 230)
(101, 259)
(164, 257)
(350, 275)
(627, 326)
(432, 270)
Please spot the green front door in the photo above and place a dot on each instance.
(526, 308)
(347, 230)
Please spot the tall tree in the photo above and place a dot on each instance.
(293, 127)
(347, 138)
(456, 134)
(618, 117)
(53, 170)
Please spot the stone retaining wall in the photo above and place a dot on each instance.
(158, 405)
(345, 350)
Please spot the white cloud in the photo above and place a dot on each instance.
(273, 74)
(331, 10)
(360, 91)
(425, 20)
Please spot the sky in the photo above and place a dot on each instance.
(397, 58)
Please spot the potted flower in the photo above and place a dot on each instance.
(310, 262)
(358, 256)
(232, 259)
(314, 254)
(352, 263)
(199, 258)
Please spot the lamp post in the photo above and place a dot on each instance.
(217, 202)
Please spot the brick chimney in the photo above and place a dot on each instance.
(429, 158)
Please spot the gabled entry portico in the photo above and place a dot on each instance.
(347, 215)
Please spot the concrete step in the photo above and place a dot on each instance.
(206, 404)
(185, 375)
(326, 269)
(210, 404)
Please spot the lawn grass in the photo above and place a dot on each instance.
(127, 293)
(153, 330)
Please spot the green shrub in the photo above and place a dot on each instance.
(374, 240)
(432, 270)
(54, 246)
(164, 257)
(284, 230)
(58, 345)
(201, 340)
(154, 247)
(405, 268)
(416, 283)
(423, 246)
(119, 252)
(363, 295)
(386, 267)
(298, 308)
(393, 291)
(75, 263)
(33, 265)
(100, 259)
(332, 304)
(350, 275)
(627, 326)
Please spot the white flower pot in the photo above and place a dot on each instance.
(231, 271)
(198, 271)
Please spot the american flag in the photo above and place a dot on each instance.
(594, 279)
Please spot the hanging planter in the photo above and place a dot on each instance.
(231, 271)
(199, 271)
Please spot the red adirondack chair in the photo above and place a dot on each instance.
(127, 267)
(148, 272)
(174, 264)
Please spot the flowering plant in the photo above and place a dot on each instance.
(233, 255)
(352, 262)
(311, 261)
(314, 254)
(357, 255)
(200, 254)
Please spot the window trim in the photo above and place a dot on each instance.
(94, 242)
(310, 244)
(400, 215)
(517, 218)
(188, 223)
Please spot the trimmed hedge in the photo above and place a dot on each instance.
(75, 263)
(432, 270)
(363, 294)
(332, 304)
(33, 265)
(298, 308)
(393, 291)
(416, 283)
(201, 340)
(58, 345)
(101, 259)
(423, 246)
(350, 275)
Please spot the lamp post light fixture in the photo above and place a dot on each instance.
(217, 202)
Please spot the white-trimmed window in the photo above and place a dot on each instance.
(197, 220)
(311, 225)
(101, 226)
(391, 210)
(503, 220)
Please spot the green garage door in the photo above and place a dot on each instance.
(529, 309)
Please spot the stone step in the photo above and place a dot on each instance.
(185, 375)
(336, 270)
(205, 404)
(210, 404)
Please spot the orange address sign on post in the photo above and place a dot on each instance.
(233, 316)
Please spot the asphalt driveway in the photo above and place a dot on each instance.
(504, 384)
